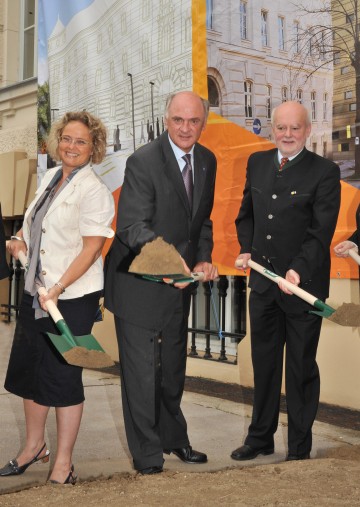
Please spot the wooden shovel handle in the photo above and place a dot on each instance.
(294, 289)
(354, 255)
(51, 306)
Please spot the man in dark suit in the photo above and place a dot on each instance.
(342, 249)
(4, 268)
(151, 318)
(286, 222)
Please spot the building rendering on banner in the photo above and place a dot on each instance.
(255, 63)
(115, 55)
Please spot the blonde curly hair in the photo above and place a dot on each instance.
(96, 128)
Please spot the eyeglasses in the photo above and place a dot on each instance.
(80, 143)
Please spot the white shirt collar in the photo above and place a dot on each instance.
(280, 156)
(180, 153)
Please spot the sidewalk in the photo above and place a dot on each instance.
(216, 427)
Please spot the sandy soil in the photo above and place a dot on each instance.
(331, 481)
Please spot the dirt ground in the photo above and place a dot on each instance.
(330, 481)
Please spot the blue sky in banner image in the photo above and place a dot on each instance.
(49, 12)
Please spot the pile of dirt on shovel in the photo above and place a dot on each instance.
(158, 258)
(348, 314)
(80, 356)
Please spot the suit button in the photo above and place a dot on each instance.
(270, 216)
(43, 272)
(43, 230)
(268, 236)
(274, 196)
(42, 251)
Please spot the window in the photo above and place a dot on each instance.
(209, 13)
(243, 20)
(349, 18)
(337, 57)
(268, 102)
(344, 70)
(284, 94)
(281, 33)
(248, 99)
(348, 94)
(264, 28)
(299, 95)
(213, 92)
(313, 106)
(28, 56)
(296, 34)
(312, 43)
(325, 106)
(352, 106)
(344, 147)
(335, 135)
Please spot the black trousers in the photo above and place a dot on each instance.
(278, 320)
(152, 369)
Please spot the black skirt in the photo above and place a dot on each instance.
(36, 370)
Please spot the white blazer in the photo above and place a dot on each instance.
(85, 207)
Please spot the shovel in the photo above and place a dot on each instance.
(84, 351)
(175, 278)
(347, 315)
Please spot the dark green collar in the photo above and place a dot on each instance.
(292, 162)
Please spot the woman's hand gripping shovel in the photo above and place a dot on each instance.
(349, 317)
(83, 350)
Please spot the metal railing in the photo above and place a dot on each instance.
(235, 306)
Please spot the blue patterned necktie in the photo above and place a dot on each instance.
(188, 177)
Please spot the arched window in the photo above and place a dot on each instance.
(299, 95)
(213, 92)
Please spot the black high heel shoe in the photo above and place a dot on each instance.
(12, 468)
(70, 479)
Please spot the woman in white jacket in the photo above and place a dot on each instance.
(63, 234)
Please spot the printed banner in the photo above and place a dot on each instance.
(119, 59)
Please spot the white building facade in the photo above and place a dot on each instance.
(255, 63)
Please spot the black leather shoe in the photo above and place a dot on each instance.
(13, 468)
(151, 470)
(297, 457)
(246, 452)
(188, 455)
(70, 479)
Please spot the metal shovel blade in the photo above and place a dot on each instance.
(84, 351)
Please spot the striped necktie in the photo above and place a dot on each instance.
(188, 178)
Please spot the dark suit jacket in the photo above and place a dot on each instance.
(287, 219)
(4, 269)
(152, 203)
(355, 237)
